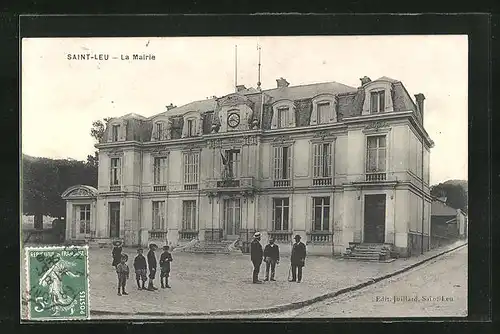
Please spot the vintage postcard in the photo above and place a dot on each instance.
(244, 177)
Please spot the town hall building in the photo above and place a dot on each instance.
(338, 165)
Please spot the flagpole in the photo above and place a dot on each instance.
(235, 67)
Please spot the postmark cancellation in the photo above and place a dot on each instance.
(57, 281)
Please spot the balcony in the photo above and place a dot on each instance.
(157, 236)
(281, 236)
(322, 181)
(188, 235)
(319, 237)
(229, 183)
(159, 188)
(190, 186)
(281, 183)
(375, 177)
(115, 188)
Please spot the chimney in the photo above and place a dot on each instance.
(239, 88)
(282, 83)
(365, 80)
(171, 106)
(420, 104)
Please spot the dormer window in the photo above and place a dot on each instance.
(283, 117)
(323, 112)
(191, 128)
(324, 109)
(159, 131)
(114, 132)
(377, 102)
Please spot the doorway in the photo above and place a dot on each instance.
(232, 218)
(114, 219)
(82, 221)
(374, 222)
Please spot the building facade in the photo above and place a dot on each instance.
(332, 163)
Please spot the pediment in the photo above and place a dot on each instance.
(234, 100)
(80, 191)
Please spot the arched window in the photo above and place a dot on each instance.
(324, 107)
(283, 115)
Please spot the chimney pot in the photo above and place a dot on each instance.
(365, 80)
(281, 82)
(171, 106)
(420, 103)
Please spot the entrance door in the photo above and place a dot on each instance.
(374, 229)
(232, 218)
(114, 219)
(82, 221)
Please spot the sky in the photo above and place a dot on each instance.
(61, 97)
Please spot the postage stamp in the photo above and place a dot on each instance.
(57, 283)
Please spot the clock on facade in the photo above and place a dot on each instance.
(233, 120)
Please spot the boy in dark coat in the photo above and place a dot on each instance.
(165, 259)
(271, 258)
(256, 256)
(116, 252)
(123, 274)
(298, 259)
(152, 266)
(141, 269)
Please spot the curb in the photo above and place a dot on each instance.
(284, 307)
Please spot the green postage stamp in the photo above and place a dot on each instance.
(57, 283)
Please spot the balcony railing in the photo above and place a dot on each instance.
(158, 235)
(159, 188)
(281, 236)
(322, 181)
(229, 183)
(115, 188)
(374, 177)
(190, 186)
(320, 237)
(188, 235)
(281, 183)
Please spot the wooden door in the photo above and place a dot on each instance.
(374, 222)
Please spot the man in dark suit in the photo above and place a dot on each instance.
(152, 263)
(271, 258)
(256, 256)
(298, 259)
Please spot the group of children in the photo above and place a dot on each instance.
(141, 267)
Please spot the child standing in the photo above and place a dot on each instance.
(140, 267)
(165, 259)
(116, 252)
(123, 274)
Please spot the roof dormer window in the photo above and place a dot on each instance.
(323, 112)
(377, 102)
(283, 115)
(159, 130)
(191, 128)
(324, 107)
(115, 130)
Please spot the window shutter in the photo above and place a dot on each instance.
(185, 128)
(316, 162)
(289, 162)
(154, 134)
(119, 171)
(274, 121)
(276, 159)
(373, 106)
(382, 101)
(291, 117)
(314, 115)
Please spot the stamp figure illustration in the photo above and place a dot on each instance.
(58, 283)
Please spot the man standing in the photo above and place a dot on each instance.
(152, 266)
(256, 256)
(271, 258)
(298, 259)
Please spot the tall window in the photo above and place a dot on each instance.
(377, 102)
(159, 131)
(321, 213)
(114, 219)
(232, 168)
(322, 160)
(282, 162)
(323, 112)
(160, 170)
(115, 171)
(114, 132)
(189, 215)
(158, 215)
(84, 218)
(283, 117)
(376, 154)
(191, 167)
(281, 210)
(232, 216)
(191, 129)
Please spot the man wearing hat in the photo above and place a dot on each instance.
(116, 252)
(256, 256)
(271, 258)
(152, 266)
(298, 259)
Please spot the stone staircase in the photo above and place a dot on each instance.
(212, 247)
(369, 252)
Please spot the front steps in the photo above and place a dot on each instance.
(369, 252)
(212, 247)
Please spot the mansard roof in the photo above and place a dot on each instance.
(308, 91)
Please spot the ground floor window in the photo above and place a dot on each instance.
(83, 218)
(281, 211)
(189, 215)
(321, 213)
(158, 215)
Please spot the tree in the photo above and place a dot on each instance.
(455, 191)
(97, 132)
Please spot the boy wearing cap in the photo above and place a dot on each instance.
(116, 252)
(298, 259)
(123, 273)
(256, 256)
(271, 258)
(165, 259)
(152, 266)
(141, 269)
